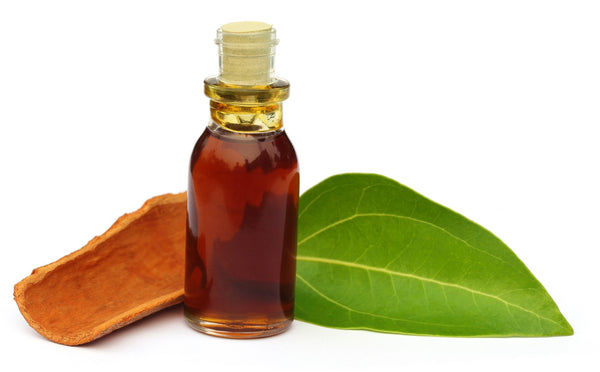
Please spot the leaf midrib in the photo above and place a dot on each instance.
(423, 279)
(347, 308)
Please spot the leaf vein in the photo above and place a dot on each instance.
(424, 279)
(351, 310)
(354, 216)
(304, 209)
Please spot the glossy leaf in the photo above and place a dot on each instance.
(375, 255)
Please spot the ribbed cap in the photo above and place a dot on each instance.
(246, 53)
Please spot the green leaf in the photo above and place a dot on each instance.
(375, 255)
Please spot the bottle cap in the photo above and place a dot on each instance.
(246, 53)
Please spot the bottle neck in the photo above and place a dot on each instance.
(247, 109)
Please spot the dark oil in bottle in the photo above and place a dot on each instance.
(241, 233)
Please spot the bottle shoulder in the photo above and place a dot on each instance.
(221, 148)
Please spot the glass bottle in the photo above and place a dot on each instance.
(242, 196)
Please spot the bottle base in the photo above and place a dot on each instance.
(244, 330)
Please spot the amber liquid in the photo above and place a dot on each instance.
(241, 236)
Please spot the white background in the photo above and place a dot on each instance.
(489, 108)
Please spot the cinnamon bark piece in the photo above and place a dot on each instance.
(134, 269)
